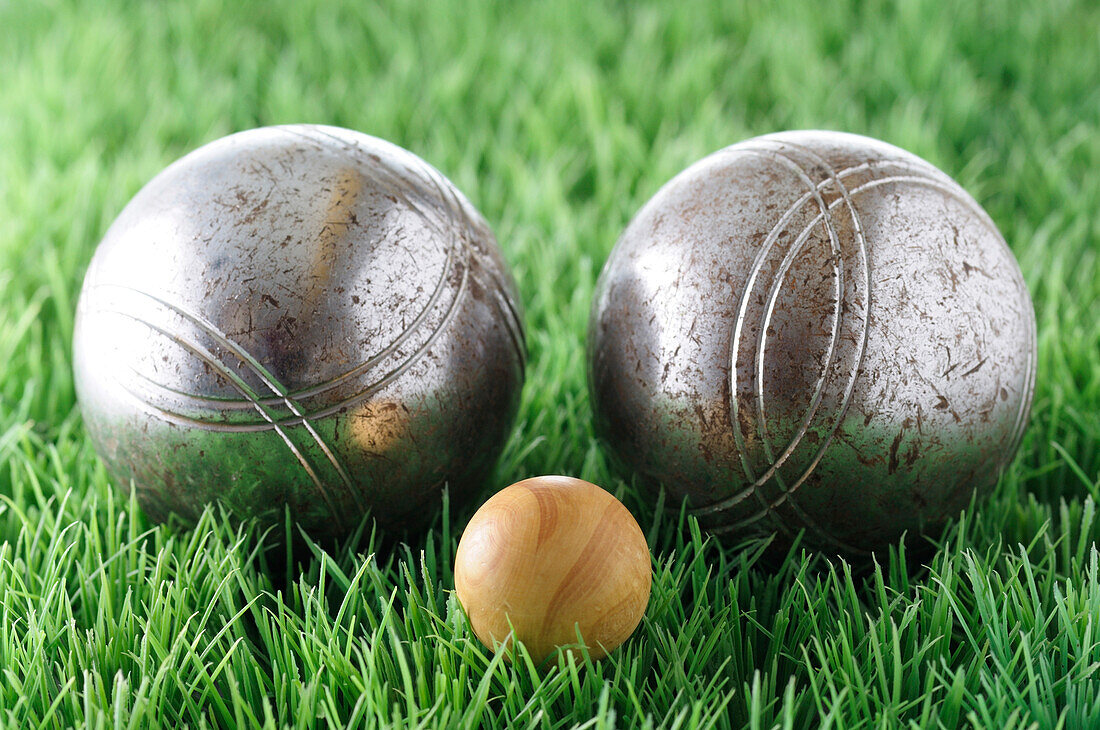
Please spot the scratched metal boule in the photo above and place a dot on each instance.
(813, 331)
(299, 317)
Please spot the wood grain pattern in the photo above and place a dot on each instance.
(548, 557)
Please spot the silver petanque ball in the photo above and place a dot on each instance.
(813, 331)
(299, 317)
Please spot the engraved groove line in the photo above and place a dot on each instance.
(509, 313)
(266, 377)
(847, 195)
(871, 184)
(773, 234)
(374, 360)
(329, 410)
(773, 296)
(458, 213)
(207, 357)
(787, 493)
(849, 392)
(753, 490)
(758, 265)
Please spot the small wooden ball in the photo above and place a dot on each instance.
(549, 556)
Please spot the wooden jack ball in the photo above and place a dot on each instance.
(549, 557)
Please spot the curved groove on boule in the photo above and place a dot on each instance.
(460, 213)
(740, 496)
(212, 360)
(742, 313)
(796, 248)
(911, 179)
(374, 360)
(849, 391)
(735, 499)
(265, 376)
(299, 418)
(784, 219)
(330, 383)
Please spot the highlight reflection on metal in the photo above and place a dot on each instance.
(813, 330)
(302, 316)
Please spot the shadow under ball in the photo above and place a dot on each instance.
(813, 331)
(551, 556)
(302, 317)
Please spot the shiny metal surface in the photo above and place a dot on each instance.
(813, 330)
(302, 316)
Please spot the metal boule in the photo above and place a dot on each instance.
(813, 331)
(299, 317)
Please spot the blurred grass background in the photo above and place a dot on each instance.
(558, 121)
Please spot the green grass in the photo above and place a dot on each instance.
(558, 123)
